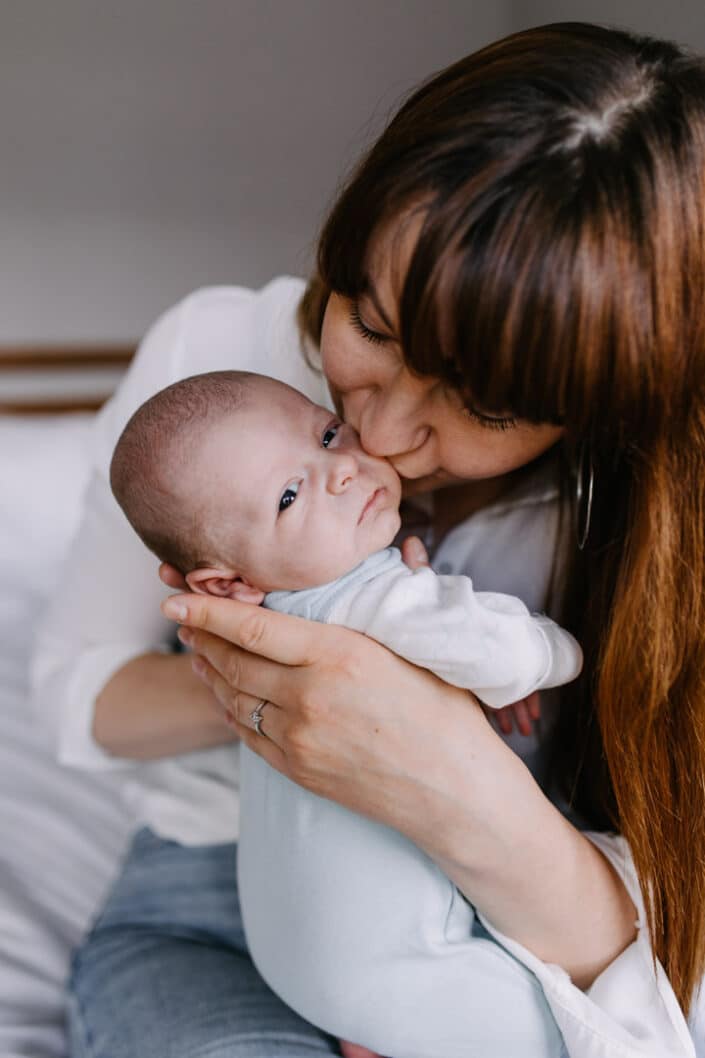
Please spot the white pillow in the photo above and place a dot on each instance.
(62, 832)
(44, 466)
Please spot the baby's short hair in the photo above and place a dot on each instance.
(153, 449)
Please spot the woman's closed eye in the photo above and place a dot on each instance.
(361, 327)
(493, 422)
(469, 410)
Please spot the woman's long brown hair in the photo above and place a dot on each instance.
(560, 275)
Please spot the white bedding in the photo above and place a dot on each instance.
(61, 833)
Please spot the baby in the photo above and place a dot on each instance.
(257, 494)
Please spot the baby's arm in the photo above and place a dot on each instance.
(484, 641)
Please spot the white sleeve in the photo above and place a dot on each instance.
(104, 613)
(484, 641)
(629, 1011)
(105, 610)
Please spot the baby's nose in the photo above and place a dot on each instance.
(342, 472)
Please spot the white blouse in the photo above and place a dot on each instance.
(106, 612)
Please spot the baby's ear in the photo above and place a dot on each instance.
(225, 583)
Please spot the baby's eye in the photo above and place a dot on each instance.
(288, 496)
(330, 434)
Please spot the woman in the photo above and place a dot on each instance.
(509, 303)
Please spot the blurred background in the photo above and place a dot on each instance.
(153, 146)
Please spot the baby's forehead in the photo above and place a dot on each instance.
(265, 391)
(269, 421)
(274, 402)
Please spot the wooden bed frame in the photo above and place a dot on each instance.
(48, 379)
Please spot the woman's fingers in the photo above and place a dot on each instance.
(170, 576)
(281, 637)
(241, 671)
(264, 746)
(238, 705)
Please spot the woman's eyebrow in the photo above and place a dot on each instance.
(368, 291)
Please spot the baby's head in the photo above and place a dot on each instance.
(246, 486)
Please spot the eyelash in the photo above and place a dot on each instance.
(332, 426)
(362, 328)
(491, 422)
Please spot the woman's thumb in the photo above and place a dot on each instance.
(414, 553)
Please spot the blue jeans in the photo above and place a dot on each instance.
(165, 972)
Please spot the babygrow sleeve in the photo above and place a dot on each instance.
(484, 641)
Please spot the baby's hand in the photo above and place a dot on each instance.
(414, 553)
(523, 714)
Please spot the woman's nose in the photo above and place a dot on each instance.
(342, 471)
(390, 422)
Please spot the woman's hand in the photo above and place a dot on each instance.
(302, 740)
(345, 717)
(170, 576)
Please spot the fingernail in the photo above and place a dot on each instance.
(198, 665)
(186, 636)
(176, 611)
(418, 551)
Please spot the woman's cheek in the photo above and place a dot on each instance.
(474, 452)
(352, 406)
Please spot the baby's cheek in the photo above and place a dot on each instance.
(322, 558)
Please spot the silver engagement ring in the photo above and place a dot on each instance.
(256, 717)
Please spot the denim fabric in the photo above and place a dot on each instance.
(165, 972)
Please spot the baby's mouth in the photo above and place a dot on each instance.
(371, 502)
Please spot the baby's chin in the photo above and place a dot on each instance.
(338, 566)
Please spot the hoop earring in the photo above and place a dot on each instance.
(584, 487)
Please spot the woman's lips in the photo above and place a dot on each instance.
(372, 502)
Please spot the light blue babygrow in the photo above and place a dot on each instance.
(347, 920)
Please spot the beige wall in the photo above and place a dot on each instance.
(682, 20)
(151, 146)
